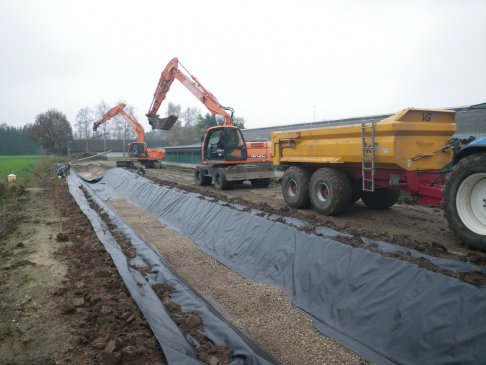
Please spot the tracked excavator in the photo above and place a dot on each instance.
(137, 151)
(227, 159)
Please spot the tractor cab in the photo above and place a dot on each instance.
(224, 144)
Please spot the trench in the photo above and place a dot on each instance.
(389, 311)
(187, 327)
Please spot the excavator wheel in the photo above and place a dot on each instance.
(201, 179)
(220, 181)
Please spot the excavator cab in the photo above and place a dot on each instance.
(137, 150)
(224, 144)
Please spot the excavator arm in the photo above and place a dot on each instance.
(172, 72)
(128, 117)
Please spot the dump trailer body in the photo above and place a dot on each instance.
(408, 140)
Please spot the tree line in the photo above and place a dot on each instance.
(51, 131)
(188, 129)
(16, 141)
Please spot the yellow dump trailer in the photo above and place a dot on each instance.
(410, 140)
(413, 150)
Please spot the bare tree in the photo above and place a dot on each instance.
(99, 112)
(188, 132)
(84, 124)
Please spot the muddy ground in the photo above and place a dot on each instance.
(419, 227)
(61, 298)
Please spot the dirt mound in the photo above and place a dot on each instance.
(63, 301)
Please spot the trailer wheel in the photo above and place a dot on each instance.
(295, 187)
(330, 191)
(465, 201)
(260, 183)
(200, 179)
(220, 181)
(381, 198)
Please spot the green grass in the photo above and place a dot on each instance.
(21, 166)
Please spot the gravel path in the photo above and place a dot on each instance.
(264, 310)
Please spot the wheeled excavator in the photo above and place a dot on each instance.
(227, 159)
(137, 151)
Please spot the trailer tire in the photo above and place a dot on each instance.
(330, 191)
(200, 179)
(465, 201)
(295, 187)
(381, 198)
(260, 183)
(220, 181)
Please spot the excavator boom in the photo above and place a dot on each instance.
(137, 150)
(119, 109)
(169, 74)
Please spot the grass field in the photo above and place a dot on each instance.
(22, 166)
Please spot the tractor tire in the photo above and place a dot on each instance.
(260, 183)
(330, 191)
(220, 181)
(200, 179)
(381, 198)
(465, 201)
(295, 187)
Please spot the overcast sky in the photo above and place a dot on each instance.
(275, 62)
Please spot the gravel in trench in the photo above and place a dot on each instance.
(264, 310)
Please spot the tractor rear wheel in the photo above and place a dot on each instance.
(330, 191)
(295, 187)
(465, 200)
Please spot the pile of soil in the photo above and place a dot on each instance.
(63, 301)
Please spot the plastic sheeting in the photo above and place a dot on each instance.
(177, 348)
(387, 310)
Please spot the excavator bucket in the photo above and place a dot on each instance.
(162, 123)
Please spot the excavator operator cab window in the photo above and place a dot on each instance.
(225, 144)
(137, 150)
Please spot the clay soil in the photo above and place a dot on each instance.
(61, 298)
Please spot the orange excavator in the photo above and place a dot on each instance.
(137, 151)
(227, 159)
